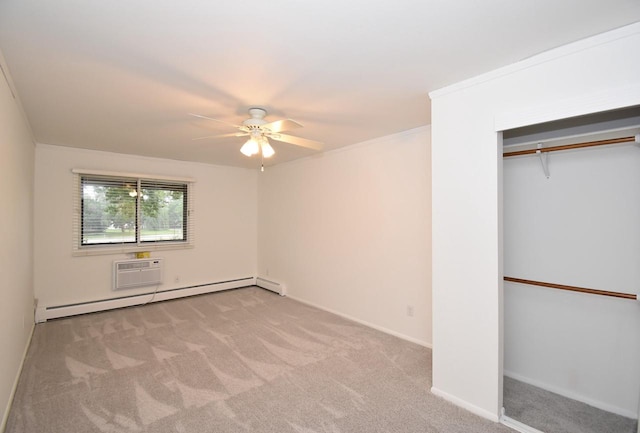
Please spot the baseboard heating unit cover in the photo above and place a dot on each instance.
(271, 285)
(53, 312)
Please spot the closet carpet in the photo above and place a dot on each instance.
(244, 360)
(553, 413)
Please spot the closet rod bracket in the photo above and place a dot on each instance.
(544, 160)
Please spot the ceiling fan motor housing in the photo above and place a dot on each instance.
(256, 120)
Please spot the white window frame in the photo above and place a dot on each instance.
(139, 246)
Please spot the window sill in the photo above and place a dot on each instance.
(111, 250)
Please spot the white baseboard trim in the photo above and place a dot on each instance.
(573, 395)
(465, 405)
(517, 425)
(3, 425)
(273, 286)
(365, 323)
(45, 313)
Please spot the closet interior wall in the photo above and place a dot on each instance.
(580, 227)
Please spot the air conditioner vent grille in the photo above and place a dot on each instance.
(137, 273)
(134, 265)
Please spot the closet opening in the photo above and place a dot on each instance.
(571, 233)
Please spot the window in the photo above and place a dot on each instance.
(132, 211)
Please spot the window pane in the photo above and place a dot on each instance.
(162, 212)
(108, 211)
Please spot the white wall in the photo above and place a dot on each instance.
(225, 226)
(590, 75)
(579, 227)
(349, 231)
(16, 242)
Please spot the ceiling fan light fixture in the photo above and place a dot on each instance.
(267, 150)
(250, 148)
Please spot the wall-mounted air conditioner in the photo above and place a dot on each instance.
(136, 273)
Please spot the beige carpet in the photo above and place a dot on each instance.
(245, 360)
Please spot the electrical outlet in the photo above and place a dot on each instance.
(177, 279)
(266, 272)
(410, 310)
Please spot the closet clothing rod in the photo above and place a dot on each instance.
(571, 146)
(573, 288)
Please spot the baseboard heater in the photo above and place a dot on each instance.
(45, 313)
(271, 285)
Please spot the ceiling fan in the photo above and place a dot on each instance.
(260, 131)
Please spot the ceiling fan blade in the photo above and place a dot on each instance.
(303, 142)
(282, 125)
(215, 120)
(231, 134)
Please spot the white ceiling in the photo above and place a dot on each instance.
(122, 75)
